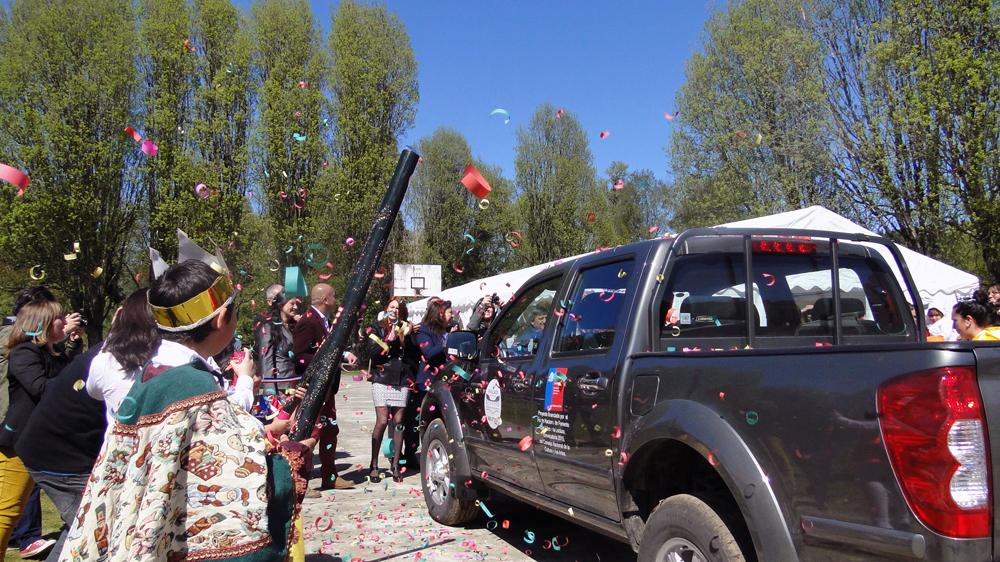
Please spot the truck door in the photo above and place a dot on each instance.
(575, 405)
(509, 369)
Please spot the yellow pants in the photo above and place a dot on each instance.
(15, 487)
(298, 550)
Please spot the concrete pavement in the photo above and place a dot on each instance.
(389, 521)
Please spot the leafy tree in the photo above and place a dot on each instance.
(469, 241)
(752, 135)
(373, 81)
(555, 172)
(69, 86)
(913, 87)
(292, 149)
(627, 209)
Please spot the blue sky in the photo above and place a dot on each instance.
(615, 65)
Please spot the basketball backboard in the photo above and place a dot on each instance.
(415, 280)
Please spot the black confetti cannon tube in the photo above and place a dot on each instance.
(323, 374)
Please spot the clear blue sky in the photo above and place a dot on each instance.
(615, 65)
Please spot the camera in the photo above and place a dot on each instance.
(83, 322)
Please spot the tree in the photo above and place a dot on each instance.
(292, 130)
(913, 88)
(373, 80)
(469, 241)
(554, 173)
(751, 136)
(628, 209)
(69, 86)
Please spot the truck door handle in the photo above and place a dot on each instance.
(592, 383)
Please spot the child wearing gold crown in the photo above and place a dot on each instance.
(177, 434)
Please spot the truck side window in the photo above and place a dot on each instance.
(705, 302)
(519, 331)
(591, 315)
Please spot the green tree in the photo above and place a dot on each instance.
(914, 90)
(292, 133)
(373, 81)
(70, 85)
(632, 204)
(555, 173)
(469, 241)
(752, 135)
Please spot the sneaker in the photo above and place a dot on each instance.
(37, 548)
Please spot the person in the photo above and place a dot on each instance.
(972, 322)
(27, 535)
(308, 335)
(993, 297)
(185, 474)
(934, 315)
(394, 356)
(483, 314)
(528, 341)
(273, 336)
(132, 341)
(35, 356)
(431, 338)
(61, 440)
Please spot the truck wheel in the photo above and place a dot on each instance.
(439, 480)
(683, 528)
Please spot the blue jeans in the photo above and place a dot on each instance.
(29, 526)
(66, 492)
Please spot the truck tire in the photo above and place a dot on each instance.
(439, 480)
(684, 528)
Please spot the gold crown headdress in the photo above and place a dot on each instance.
(205, 305)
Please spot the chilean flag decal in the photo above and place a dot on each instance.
(555, 388)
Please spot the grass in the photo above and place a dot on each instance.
(51, 523)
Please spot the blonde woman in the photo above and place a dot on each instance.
(36, 355)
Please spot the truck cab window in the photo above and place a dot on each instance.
(705, 303)
(519, 330)
(589, 319)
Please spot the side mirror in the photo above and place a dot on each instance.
(463, 344)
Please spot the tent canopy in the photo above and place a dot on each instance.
(936, 281)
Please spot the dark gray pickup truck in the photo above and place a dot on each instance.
(644, 392)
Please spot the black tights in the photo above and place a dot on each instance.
(381, 422)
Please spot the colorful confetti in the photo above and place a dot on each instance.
(475, 183)
(15, 177)
(501, 111)
(605, 134)
(149, 148)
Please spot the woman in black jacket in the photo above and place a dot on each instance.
(36, 356)
(394, 358)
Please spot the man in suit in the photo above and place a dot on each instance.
(307, 336)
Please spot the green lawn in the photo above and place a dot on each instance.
(50, 528)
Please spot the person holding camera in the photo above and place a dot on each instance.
(36, 355)
(273, 336)
(395, 358)
(483, 314)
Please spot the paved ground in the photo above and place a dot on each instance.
(388, 520)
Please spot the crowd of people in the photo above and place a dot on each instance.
(973, 319)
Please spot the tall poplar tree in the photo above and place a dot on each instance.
(555, 176)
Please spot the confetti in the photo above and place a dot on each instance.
(349, 242)
(202, 191)
(591, 216)
(559, 113)
(36, 276)
(149, 148)
(78, 385)
(529, 537)
(501, 111)
(15, 177)
(752, 417)
(511, 236)
(486, 510)
(759, 138)
(670, 117)
(303, 84)
(740, 135)
(619, 185)
(484, 204)
(768, 279)
(69, 257)
(134, 134)
(298, 137)
(98, 271)
(525, 443)
(605, 134)
(475, 183)
(458, 268)
(654, 228)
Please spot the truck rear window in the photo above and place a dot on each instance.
(705, 304)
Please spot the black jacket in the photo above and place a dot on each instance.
(30, 367)
(273, 340)
(66, 430)
(398, 365)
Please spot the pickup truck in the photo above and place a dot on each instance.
(642, 393)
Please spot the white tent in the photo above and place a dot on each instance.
(936, 281)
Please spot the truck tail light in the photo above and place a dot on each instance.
(934, 430)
